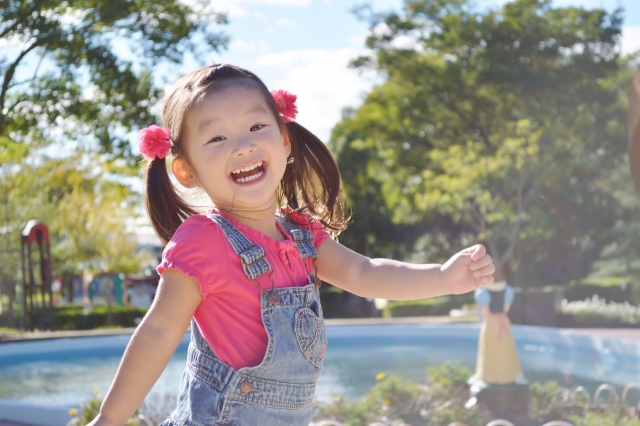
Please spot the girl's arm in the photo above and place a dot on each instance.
(151, 346)
(390, 279)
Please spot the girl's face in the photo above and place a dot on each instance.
(235, 149)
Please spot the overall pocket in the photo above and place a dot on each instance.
(199, 403)
(312, 335)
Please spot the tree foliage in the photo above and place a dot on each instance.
(497, 126)
(91, 215)
(76, 79)
(65, 73)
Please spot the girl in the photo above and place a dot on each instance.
(246, 273)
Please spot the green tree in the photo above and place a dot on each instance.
(64, 73)
(91, 215)
(497, 126)
(77, 78)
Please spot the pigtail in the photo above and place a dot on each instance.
(312, 183)
(164, 205)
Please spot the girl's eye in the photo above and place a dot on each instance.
(217, 139)
(257, 127)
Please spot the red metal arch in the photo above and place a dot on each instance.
(34, 232)
(37, 297)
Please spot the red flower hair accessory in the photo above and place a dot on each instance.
(154, 141)
(286, 103)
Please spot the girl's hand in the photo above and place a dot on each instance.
(468, 270)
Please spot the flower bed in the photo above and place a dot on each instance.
(437, 402)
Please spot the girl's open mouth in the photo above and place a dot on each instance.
(249, 173)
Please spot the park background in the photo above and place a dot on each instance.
(453, 122)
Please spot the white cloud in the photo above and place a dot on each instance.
(321, 79)
(256, 46)
(237, 9)
(297, 3)
(630, 39)
(234, 7)
(284, 22)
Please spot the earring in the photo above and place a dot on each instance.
(290, 160)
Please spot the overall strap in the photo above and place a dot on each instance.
(304, 242)
(302, 237)
(252, 256)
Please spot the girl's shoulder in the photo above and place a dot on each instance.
(197, 249)
(196, 227)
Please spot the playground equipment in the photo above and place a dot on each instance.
(37, 297)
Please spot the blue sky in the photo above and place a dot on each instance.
(304, 46)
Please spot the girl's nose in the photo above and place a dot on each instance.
(244, 146)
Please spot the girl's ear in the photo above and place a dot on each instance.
(183, 173)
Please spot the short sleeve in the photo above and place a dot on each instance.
(198, 249)
(304, 221)
(508, 295)
(483, 298)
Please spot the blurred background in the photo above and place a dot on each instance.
(453, 122)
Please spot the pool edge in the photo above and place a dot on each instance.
(29, 414)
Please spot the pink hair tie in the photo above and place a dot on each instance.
(286, 103)
(154, 141)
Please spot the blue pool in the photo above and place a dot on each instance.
(64, 371)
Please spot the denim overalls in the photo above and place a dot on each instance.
(280, 390)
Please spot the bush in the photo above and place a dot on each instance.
(595, 419)
(440, 402)
(398, 402)
(596, 312)
(547, 403)
(390, 399)
(72, 317)
(613, 293)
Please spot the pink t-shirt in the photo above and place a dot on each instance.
(229, 314)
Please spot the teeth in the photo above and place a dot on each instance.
(250, 178)
(247, 168)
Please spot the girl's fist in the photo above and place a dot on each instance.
(467, 270)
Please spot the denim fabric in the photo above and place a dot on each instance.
(280, 390)
(302, 237)
(253, 258)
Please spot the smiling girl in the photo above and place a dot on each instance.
(245, 274)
